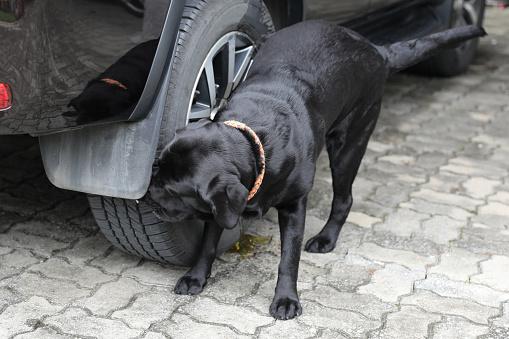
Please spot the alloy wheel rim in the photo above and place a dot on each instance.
(223, 69)
(466, 12)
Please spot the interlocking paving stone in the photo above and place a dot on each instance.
(241, 318)
(43, 333)
(391, 282)
(57, 291)
(423, 254)
(40, 245)
(154, 335)
(362, 219)
(403, 222)
(455, 289)
(408, 259)
(289, 329)
(19, 258)
(86, 249)
(78, 322)
(24, 316)
(455, 327)
(500, 196)
(479, 187)
(436, 209)
(112, 296)
(185, 327)
(503, 319)
(495, 208)
(368, 305)
(434, 303)
(115, 262)
(471, 167)
(467, 203)
(398, 324)
(347, 277)
(85, 276)
(494, 273)
(154, 274)
(7, 297)
(441, 229)
(458, 264)
(146, 309)
(239, 280)
(348, 322)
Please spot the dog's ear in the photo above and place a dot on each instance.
(228, 204)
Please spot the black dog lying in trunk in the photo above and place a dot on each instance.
(312, 84)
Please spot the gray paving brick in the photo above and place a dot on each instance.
(434, 303)
(23, 317)
(448, 288)
(43, 333)
(184, 327)
(241, 318)
(31, 284)
(455, 327)
(85, 276)
(77, 322)
(350, 323)
(147, 308)
(112, 296)
(399, 323)
(458, 264)
(368, 305)
(391, 282)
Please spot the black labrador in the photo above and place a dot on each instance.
(311, 85)
(118, 87)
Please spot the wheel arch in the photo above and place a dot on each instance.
(285, 12)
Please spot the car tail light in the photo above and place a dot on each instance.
(5, 96)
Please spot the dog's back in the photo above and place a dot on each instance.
(332, 67)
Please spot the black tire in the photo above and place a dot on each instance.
(454, 61)
(130, 225)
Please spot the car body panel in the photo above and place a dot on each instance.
(377, 4)
(51, 52)
(333, 10)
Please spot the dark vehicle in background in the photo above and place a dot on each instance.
(52, 48)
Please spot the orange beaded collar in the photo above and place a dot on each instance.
(261, 153)
(113, 82)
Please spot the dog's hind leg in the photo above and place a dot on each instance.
(346, 144)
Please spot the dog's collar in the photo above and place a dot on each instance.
(261, 153)
(114, 82)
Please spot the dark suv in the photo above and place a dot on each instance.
(52, 48)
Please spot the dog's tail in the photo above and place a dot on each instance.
(402, 55)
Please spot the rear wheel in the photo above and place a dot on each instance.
(216, 43)
(456, 61)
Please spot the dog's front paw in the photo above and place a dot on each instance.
(285, 308)
(320, 244)
(189, 285)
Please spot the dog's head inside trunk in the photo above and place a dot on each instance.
(198, 178)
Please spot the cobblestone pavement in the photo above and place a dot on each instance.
(424, 254)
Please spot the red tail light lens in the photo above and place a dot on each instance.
(5, 96)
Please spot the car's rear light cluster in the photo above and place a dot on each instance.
(5, 96)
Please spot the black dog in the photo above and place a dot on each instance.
(312, 84)
(118, 87)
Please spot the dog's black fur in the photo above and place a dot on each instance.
(100, 100)
(311, 85)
